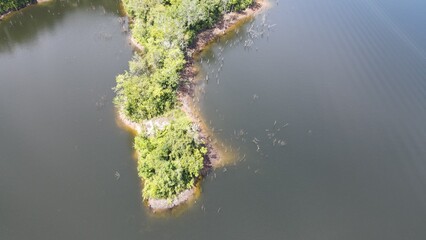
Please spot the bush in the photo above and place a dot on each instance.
(10, 5)
(170, 161)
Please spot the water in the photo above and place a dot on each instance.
(60, 145)
(340, 85)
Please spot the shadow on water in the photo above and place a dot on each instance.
(23, 27)
(210, 64)
(334, 80)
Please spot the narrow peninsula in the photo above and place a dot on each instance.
(152, 96)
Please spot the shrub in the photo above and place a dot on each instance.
(9, 5)
(170, 161)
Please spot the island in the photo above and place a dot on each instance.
(152, 96)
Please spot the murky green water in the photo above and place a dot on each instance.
(325, 112)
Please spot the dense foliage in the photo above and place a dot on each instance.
(148, 89)
(170, 160)
(9, 5)
(164, 28)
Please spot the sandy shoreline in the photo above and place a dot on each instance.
(148, 126)
(136, 45)
(186, 90)
(186, 94)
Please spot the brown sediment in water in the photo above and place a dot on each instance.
(228, 22)
(186, 93)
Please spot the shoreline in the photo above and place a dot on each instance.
(190, 71)
(8, 13)
(136, 45)
(185, 96)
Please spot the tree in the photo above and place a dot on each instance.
(171, 160)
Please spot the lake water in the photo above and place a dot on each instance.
(324, 115)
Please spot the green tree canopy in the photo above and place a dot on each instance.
(171, 160)
(10, 5)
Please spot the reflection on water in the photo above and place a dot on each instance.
(60, 147)
(341, 84)
(321, 103)
(23, 26)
